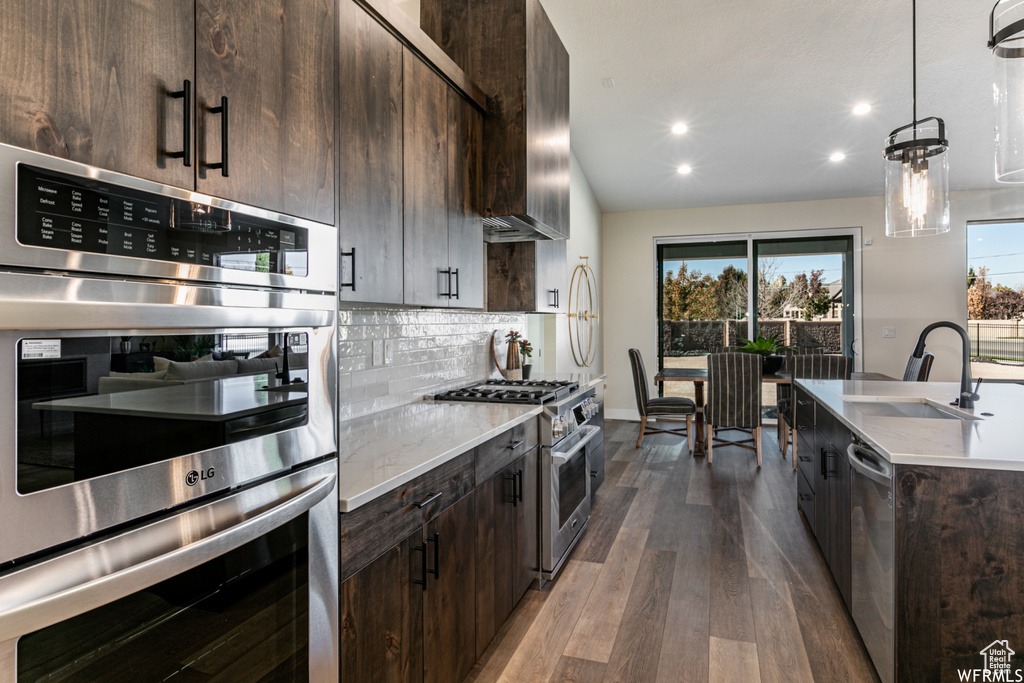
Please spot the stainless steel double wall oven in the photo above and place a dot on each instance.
(168, 466)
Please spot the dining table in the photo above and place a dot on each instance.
(700, 375)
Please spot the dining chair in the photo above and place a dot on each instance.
(668, 407)
(918, 369)
(811, 366)
(734, 399)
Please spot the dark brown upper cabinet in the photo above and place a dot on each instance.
(443, 227)
(129, 87)
(527, 277)
(511, 50)
(265, 79)
(91, 82)
(370, 182)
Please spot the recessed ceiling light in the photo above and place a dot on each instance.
(862, 108)
(684, 169)
(837, 156)
(680, 128)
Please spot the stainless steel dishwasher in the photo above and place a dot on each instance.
(872, 531)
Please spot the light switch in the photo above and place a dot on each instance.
(389, 351)
(868, 241)
(889, 332)
(378, 352)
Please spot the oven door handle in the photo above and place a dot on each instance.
(75, 582)
(559, 459)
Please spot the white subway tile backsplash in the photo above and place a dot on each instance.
(434, 350)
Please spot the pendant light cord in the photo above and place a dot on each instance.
(913, 4)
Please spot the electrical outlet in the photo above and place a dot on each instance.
(378, 352)
(389, 351)
(888, 332)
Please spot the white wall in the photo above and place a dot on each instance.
(584, 240)
(907, 283)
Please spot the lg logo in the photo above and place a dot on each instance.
(194, 477)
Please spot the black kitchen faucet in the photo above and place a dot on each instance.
(967, 396)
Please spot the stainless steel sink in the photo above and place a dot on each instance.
(892, 406)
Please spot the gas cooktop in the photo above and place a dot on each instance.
(525, 391)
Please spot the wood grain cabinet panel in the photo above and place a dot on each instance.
(449, 612)
(527, 276)
(90, 82)
(511, 50)
(427, 281)
(370, 186)
(465, 224)
(382, 617)
(274, 61)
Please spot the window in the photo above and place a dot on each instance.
(995, 299)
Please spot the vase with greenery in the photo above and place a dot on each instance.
(513, 366)
(771, 350)
(526, 350)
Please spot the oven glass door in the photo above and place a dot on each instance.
(89, 406)
(240, 617)
(572, 486)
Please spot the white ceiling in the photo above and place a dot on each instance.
(767, 88)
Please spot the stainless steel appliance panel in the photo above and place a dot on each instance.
(59, 588)
(321, 247)
(33, 306)
(872, 538)
(565, 480)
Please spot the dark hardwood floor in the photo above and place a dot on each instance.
(688, 572)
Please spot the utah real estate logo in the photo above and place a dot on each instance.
(998, 666)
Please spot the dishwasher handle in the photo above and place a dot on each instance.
(867, 462)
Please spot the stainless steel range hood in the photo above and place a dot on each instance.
(517, 229)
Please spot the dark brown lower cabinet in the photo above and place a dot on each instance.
(406, 616)
(449, 617)
(382, 617)
(825, 472)
(507, 552)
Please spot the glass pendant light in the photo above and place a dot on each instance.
(1006, 39)
(917, 172)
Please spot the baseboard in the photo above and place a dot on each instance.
(621, 414)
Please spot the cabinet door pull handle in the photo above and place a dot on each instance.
(554, 298)
(448, 272)
(516, 445)
(436, 571)
(511, 478)
(352, 283)
(186, 123)
(223, 111)
(519, 478)
(430, 499)
(456, 274)
(422, 549)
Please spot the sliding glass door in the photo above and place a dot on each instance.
(703, 303)
(802, 289)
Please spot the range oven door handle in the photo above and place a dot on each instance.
(558, 458)
(75, 582)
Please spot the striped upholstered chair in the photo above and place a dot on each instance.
(734, 399)
(669, 407)
(809, 367)
(918, 369)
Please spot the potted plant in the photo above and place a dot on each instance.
(513, 366)
(770, 349)
(526, 349)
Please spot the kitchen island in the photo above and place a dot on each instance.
(917, 506)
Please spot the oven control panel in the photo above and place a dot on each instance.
(75, 213)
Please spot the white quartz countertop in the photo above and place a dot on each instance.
(380, 452)
(214, 400)
(991, 441)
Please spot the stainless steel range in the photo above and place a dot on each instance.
(512, 391)
(569, 434)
